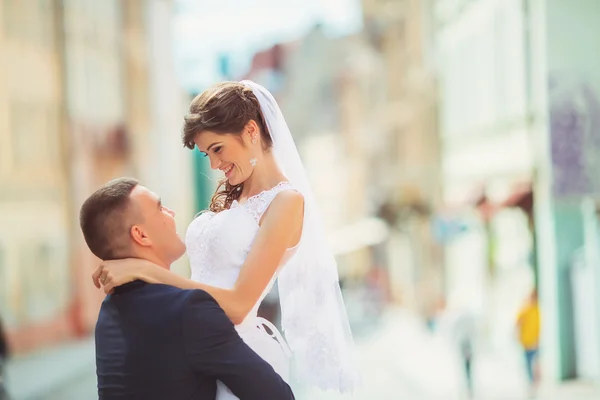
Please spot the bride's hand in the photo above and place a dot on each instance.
(111, 274)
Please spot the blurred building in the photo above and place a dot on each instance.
(486, 116)
(87, 95)
(519, 124)
(404, 166)
(315, 105)
(34, 209)
(362, 110)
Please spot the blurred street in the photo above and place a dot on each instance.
(67, 371)
(400, 359)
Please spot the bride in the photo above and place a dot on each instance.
(262, 225)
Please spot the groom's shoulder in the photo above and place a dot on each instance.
(142, 291)
(186, 295)
(156, 297)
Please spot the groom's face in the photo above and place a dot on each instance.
(155, 227)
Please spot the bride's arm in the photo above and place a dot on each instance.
(113, 273)
(280, 229)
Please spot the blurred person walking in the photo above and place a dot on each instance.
(464, 334)
(3, 359)
(528, 330)
(459, 325)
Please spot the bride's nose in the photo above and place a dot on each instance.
(215, 163)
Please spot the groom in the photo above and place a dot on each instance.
(156, 341)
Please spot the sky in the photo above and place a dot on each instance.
(204, 29)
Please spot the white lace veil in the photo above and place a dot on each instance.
(314, 318)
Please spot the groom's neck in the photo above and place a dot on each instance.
(154, 258)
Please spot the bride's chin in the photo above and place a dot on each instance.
(235, 181)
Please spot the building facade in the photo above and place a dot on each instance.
(518, 103)
(36, 282)
(485, 116)
(363, 110)
(82, 103)
(405, 161)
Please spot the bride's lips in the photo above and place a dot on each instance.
(227, 171)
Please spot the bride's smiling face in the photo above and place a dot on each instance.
(230, 153)
(225, 122)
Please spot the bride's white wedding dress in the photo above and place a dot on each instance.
(217, 246)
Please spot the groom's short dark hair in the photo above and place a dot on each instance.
(105, 219)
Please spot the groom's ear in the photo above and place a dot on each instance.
(139, 236)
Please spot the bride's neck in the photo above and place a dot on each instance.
(266, 175)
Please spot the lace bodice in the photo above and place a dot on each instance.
(218, 243)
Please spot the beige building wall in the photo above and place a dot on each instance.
(34, 229)
(81, 102)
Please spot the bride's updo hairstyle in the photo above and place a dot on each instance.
(225, 109)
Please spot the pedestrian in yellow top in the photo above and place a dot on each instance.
(528, 327)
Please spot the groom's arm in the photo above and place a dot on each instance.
(214, 348)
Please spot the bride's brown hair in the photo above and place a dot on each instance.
(225, 108)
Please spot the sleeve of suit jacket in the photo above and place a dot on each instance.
(214, 348)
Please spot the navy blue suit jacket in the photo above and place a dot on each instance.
(160, 342)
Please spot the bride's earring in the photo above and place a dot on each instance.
(253, 160)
